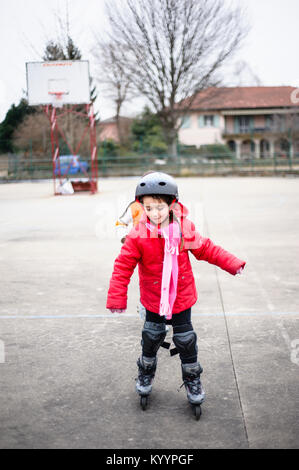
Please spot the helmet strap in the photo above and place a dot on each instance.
(171, 207)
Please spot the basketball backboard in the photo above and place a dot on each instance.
(65, 80)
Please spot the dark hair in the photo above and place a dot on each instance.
(159, 197)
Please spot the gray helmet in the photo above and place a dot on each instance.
(157, 183)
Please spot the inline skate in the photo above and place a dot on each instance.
(191, 380)
(146, 373)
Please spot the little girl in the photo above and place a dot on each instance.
(160, 245)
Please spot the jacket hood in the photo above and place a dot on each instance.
(180, 210)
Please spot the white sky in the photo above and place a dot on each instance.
(271, 49)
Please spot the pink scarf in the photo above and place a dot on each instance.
(172, 237)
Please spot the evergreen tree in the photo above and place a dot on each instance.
(54, 51)
(72, 52)
(148, 134)
(14, 116)
(93, 95)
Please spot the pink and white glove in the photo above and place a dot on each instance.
(117, 310)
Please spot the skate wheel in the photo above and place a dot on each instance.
(197, 412)
(143, 402)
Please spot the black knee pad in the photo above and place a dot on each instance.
(153, 335)
(186, 343)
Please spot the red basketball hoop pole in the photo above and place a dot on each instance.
(93, 149)
(63, 87)
(91, 176)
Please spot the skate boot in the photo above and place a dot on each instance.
(146, 373)
(195, 393)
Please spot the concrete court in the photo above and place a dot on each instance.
(68, 367)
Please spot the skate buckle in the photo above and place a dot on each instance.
(179, 389)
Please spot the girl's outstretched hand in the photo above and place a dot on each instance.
(240, 270)
(117, 310)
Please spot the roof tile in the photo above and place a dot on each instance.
(242, 98)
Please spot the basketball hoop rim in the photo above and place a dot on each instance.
(57, 101)
(58, 92)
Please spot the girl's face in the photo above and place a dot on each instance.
(156, 209)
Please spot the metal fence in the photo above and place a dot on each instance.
(194, 165)
(18, 167)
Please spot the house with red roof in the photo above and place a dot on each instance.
(111, 128)
(253, 121)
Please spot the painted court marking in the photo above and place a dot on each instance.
(113, 316)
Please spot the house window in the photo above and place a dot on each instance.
(186, 122)
(208, 120)
(276, 122)
(269, 121)
(279, 123)
(243, 124)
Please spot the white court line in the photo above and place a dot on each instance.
(114, 316)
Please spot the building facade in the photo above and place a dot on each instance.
(259, 122)
(110, 129)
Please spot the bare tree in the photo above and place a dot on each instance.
(243, 75)
(34, 132)
(172, 49)
(116, 84)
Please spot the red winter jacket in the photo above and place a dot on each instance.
(147, 250)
